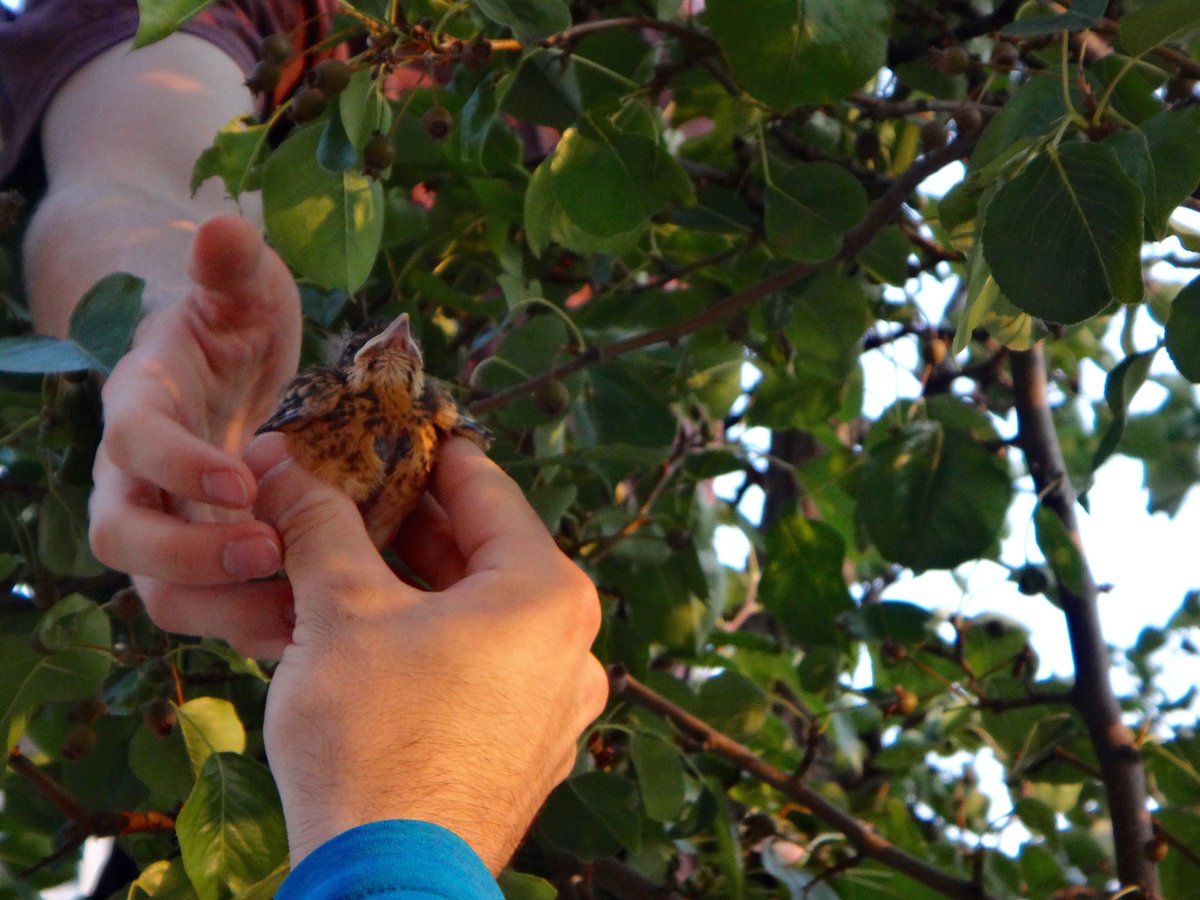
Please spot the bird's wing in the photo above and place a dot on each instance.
(312, 395)
(449, 417)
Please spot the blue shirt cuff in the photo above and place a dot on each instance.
(399, 858)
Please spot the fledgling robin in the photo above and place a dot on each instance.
(371, 423)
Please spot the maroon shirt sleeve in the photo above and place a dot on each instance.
(44, 45)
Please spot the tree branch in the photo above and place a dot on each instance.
(1120, 763)
(861, 836)
(99, 823)
(878, 215)
(576, 33)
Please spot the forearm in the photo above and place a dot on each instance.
(84, 230)
(119, 141)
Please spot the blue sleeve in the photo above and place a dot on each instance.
(400, 859)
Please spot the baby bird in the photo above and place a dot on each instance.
(370, 424)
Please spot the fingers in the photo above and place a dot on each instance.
(255, 619)
(241, 279)
(426, 543)
(130, 531)
(141, 439)
(493, 524)
(327, 552)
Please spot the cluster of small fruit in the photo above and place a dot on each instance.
(404, 44)
(957, 60)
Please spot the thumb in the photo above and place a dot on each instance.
(326, 549)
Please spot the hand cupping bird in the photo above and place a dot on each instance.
(371, 423)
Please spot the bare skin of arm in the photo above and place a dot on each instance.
(220, 337)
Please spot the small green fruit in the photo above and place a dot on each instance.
(954, 60)
(277, 48)
(378, 155)
(265, 76)
(331, 76)
(934, 135)
(308, 105)
(159, 716)
(968, 119)
(552, 398)
(437, 122)
(81, 740)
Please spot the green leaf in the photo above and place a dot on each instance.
(161, 763)
(74, 656)
(1178, 870)
(931, 496)
(530, 20)
(335, 152)
(483, 137)
(788, 53)
(810, 207)
(159, 18)
(520, 886)
(543, 91)
(1160, 157)
(803, 585)
(162, 880)
(592, 815)
(1034, 110)
(728, 851)
(894, 620)
(732, 703)
(105, 319)
(610, 182)
(361, 109)
(1037, 816)
(1122, 384)
(1183, 331)
(986, 307)
(235, 157)
(1057, 545)
(546, 220)
(326, 225)
(626, 408)
(886, 257)
(1157, 23)
(63, 545)
(35, 354)
(659, 776)
(1073, 207)
(231, 830)
(1082, 14)
(210, 725)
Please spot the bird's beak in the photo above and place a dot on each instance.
(397, 336)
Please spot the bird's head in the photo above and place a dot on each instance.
(392, 358)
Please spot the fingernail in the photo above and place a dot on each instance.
(255, 557)
(226, 488)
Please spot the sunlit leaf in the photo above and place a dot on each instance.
(231, 830)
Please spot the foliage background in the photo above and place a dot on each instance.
(601, 213)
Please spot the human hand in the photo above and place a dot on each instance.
(461, 706)
(172, 496)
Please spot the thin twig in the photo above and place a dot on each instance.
(575, 33)
(868, 842)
